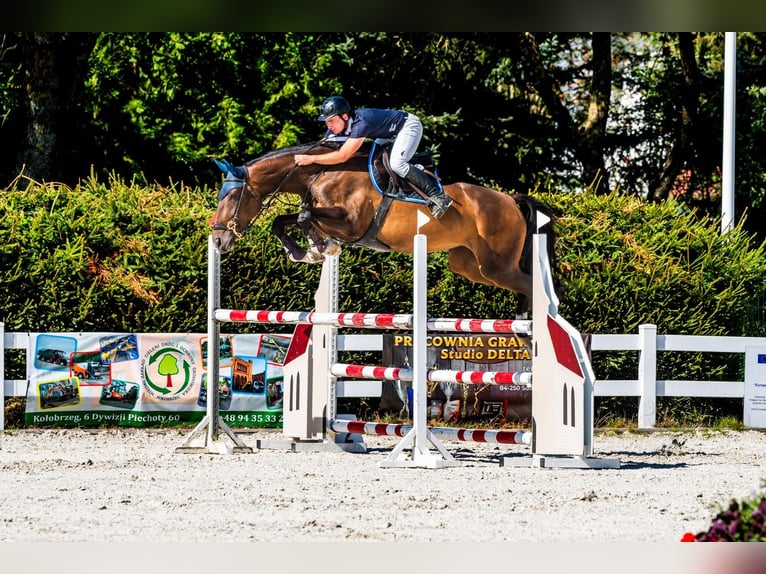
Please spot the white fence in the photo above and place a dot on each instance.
(647, 343)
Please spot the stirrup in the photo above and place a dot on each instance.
(439, 205)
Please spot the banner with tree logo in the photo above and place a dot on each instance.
(127, 379)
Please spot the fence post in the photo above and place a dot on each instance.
(2, 376)
(647, 375)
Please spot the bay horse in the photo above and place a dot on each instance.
(487, 233)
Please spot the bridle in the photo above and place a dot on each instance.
(231, 184)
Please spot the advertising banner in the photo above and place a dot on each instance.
(755, 387)
(119, 379)
(452, 402)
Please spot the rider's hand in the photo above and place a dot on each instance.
(302, 159)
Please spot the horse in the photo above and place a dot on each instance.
(487, 233)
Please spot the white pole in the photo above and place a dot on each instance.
(212, 421)
(729, 124)
(420, 435)
(213, 339)
(419, 353)
(2, 376)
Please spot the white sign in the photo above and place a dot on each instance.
(755, 387)
(422, 219)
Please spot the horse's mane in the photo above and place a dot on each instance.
(291, 150)
(305, 148)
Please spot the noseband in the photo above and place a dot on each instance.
(229, 185)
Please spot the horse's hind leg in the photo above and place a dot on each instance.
(463, 262)
(487, 268)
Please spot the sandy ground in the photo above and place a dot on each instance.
(133, 486)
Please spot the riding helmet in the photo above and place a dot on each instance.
(334, 106)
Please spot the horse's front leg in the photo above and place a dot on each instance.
(304, 222)
(318, 245)
(293, 250)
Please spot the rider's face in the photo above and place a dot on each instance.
(336, 124)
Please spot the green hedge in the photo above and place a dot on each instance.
(625, 263)
(103, 257)
(114, 256)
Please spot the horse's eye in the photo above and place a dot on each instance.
(227, 187)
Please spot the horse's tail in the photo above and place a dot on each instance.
(530, 207)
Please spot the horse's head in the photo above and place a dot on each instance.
(238, 204)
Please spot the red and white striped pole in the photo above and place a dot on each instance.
(374, 320)
(447, 376)
(500, 436)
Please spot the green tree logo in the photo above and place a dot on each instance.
(168, 372)
(168, 367)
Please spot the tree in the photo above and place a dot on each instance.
(54, 66)
(164, 105)
(680, 152)
(584, 134)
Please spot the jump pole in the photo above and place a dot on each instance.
(310, 397)
(562, 409)
(562, 380)
(562, 398)
(419, 436)
(206, 436)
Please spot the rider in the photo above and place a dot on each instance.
(404, 128)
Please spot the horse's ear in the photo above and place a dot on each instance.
(238, 172)
(222, 165)
(225, 166)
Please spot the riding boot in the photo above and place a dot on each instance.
(438, 202)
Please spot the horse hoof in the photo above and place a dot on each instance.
(308, 258)
(332, 247)
(318, 245)
(313, 257)
(297, 256)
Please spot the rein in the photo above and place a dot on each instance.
(273, 194)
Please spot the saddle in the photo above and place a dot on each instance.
(390, 184)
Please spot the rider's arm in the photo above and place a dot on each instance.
(342, 154)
